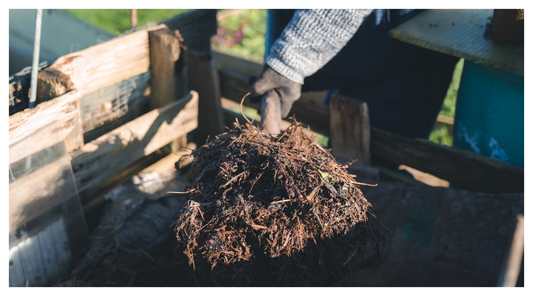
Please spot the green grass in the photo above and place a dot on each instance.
(117, 21)
(440, 133)
(448, 106)
(253, 24)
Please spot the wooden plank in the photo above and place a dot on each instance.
(468, 170)
(461, 168)
(164, 52)
(97, 66)
(90, 198)
(65, 109)
(41, 180)
(100, 159)
(238, 65)
(107, 108)
(196, 26)
(349, 129)
(37, 192)
(167, 163)
(461, 33)
(204, 77)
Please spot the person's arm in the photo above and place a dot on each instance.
(310, 40)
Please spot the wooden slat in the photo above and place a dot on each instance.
(204, 78)
(97, 66)
(164, 53)
(461, 168)
(465, 169)
(107, 108)
(349, 129)
(65, 109)
(39, 191)
(238, 65)
(100, 159)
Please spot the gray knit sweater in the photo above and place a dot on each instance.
(311, 39)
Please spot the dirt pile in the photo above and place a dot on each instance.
(267, 211)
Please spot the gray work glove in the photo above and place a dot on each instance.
(287, 90)
(276, 94)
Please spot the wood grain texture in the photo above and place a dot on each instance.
(164, 53)
(349, 129)
(204, 78)
(461, 168)
(65, 109)
(238, 65)
(32, 195)
(97, 66)
(100, 159)
(107, 108)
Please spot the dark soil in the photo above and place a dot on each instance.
(275, 211)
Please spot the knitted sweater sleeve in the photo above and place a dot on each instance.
(311, 39)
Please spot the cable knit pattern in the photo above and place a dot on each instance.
(311, 39)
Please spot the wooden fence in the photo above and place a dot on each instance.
(182, 88)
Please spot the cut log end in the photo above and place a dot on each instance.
(52, 83)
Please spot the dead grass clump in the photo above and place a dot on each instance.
(274, 210)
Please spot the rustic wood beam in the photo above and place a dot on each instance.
(97, 66)
(204, 78)
(349, 129)
(65, 109)
(102, 158)
(460, 167)
(164, 53)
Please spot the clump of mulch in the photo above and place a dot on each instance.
(265, 211)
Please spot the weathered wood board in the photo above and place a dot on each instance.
(97, 66)
(349, 129)
(65, 109)
(107, 108)
(164, 53)
(100, 159)
(203, 74)
(461, 168)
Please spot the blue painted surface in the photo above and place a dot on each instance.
(489, 117)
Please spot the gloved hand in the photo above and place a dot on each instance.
(287, 90)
